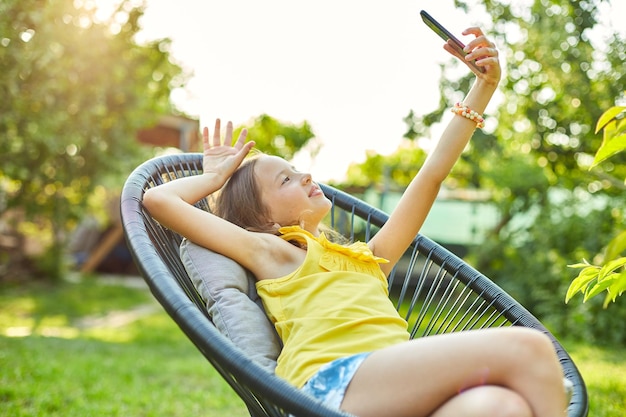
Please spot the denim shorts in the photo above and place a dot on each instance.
(329, 384)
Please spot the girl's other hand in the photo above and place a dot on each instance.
(224, 158)
(483, 52)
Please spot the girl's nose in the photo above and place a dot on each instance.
(306, 178)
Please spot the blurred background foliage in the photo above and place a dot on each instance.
(607, 274)
(276, 137)
(78, 90)
(563, 69)
(75, 91)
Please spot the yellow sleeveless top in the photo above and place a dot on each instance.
(334, 305)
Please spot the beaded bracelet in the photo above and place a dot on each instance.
(461, 109)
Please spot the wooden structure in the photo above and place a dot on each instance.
(173, 132)
(170, 132)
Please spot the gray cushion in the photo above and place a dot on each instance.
(232, 302)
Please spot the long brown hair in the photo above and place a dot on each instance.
(239, 201)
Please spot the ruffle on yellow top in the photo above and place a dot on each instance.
(357, 251)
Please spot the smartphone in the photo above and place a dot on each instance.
(445, 35)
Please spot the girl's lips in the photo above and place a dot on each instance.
(315, 190)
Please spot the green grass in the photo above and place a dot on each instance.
(604, 372)
(73, 350)
(64, 365)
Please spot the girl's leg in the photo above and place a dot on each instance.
(485, 401)
(419, 377)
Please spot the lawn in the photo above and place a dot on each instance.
(92, 348)
(604, 371)
(77, 350)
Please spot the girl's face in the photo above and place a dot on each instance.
(291, 196)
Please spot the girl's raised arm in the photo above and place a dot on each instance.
(171, 204)
(409, 215)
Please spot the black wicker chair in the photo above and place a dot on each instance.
(435, 290)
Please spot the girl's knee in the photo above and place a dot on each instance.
(495, 401)
(531, 343)
(533, 353)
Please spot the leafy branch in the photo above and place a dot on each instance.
(609, 276)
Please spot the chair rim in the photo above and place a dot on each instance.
(192, 320)
(224, 355)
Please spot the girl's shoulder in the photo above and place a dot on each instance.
(276, 257)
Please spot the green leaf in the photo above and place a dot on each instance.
(620, 127)
(584, 278)
(616, 246)
(600, 286)
(620, 286)
(616, 289)
(610, 267)
(583, 264)
(608, 116)
(611, 145)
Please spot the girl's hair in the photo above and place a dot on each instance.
(239, 201)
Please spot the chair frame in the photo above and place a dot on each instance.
(438, 293)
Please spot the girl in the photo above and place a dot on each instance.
(343, 340)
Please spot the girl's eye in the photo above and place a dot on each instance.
(287, 179)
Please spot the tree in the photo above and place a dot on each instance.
(280, 138)
(561, 73)
(558, 83)
(75, 91)
(610, 274)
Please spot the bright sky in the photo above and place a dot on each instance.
(352, 68)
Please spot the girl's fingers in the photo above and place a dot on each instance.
(482, 52)
(205, 137)
(216, 133)
(241, 140)
(476, 31)
(228, 140)
(246, 147)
